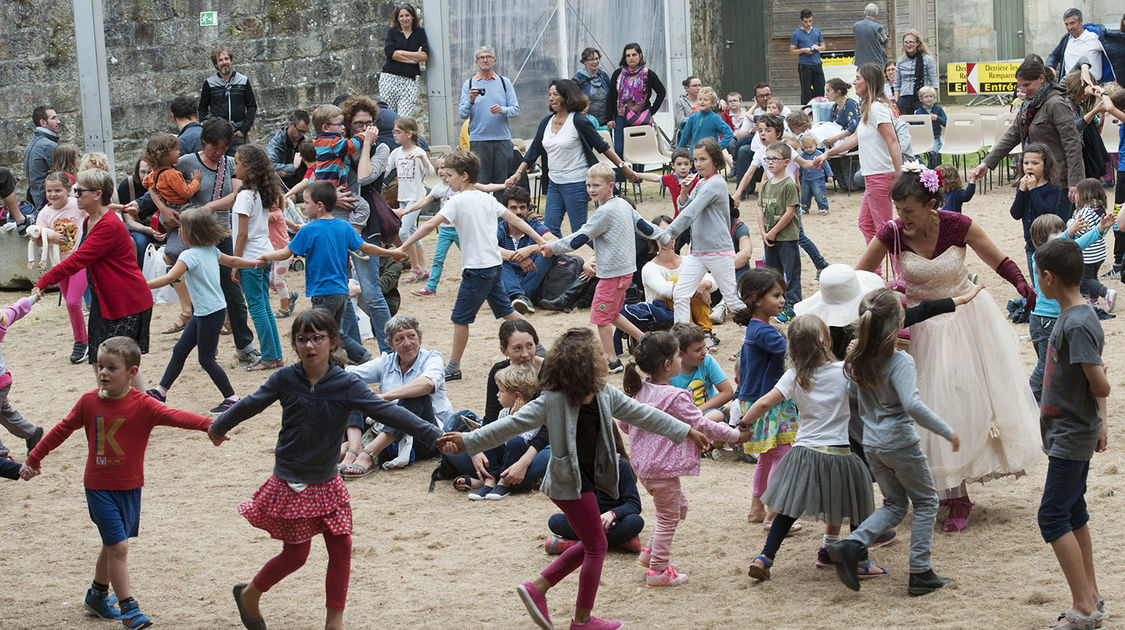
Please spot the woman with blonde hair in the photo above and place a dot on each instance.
(913, 70)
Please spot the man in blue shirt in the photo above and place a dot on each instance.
(807, 42)
(488, 100)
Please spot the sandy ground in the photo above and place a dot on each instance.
(436, 560)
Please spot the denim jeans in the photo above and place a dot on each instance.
(446, 238)
(340, 307)
(618, 144)
(372, 301)
(1040, 329)
(742, 159)
(256, 286)
(810, 248)
(734, 148)
(814, 188)
(463, 463)
(525, 283)
(904, 478)
(785, 256)
(236, 303)
(570, 198)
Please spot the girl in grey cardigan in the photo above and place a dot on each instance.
(578, 409)
(885, 382)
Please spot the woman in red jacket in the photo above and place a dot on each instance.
(121, 303)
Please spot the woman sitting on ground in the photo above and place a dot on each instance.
(410, 375)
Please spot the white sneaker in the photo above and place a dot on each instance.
(719, 313)
(403, 459)
(1110, 300)
(523, 305)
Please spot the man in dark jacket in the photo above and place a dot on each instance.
(40, 152)
(227, 94)
(282, 148)
(185, 115)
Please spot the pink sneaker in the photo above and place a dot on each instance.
(644, 556)
(669, 577)
(593, 623)
(422, 292)
(536, 605)
(557, 544)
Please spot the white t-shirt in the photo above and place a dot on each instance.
(565, 157)
(249, 203)
(1085, 46)
(442, 192)
(476, 216)
(659, 280)
(874, 156)
(824, 406)
(411, 172)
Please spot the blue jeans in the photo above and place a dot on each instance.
(811, 188)
(572, 199)
(446, 238)
(498, 464)
(785, 256)
(622, 531)
(372, 302)
(525, 283)
(341, 308)
(742, 161)
(256, 287)
(1040, 328)
(806, 244)
(478, 285)
(735, 148)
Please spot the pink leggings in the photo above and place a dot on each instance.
(585, 519)
(764, 469)
(293, 556)
(72, 289)
(876, 207)
(671, 508)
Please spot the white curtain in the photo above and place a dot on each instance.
(527, 34)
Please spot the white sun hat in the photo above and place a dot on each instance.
(841, 289)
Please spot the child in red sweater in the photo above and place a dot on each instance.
(118, 420)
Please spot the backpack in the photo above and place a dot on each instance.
(563, 272)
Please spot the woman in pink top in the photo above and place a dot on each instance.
(62, 215)
(658, 462)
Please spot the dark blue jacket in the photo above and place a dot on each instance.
(314, 419)
(1113, 59)
(589, 136)
(232, 100)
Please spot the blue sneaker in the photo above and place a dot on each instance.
(104, 607)
(132, 617)
(787, 315)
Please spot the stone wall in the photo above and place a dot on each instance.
(297, 53)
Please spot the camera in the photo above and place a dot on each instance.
(480, 91)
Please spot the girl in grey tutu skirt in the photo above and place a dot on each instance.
(820, 477)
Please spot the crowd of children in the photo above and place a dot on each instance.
(789, 406)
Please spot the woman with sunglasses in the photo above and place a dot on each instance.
(120, 303)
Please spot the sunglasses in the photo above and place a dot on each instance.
(78, 191)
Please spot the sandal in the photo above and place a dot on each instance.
(463, 483)
(355, 470)
(761, 571)
(342, 464)
(262, 364)
(959, 510)
(1071, 620)
(754, 517)
(178, 325)
(866, 570)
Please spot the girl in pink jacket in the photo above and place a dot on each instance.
(658, 462)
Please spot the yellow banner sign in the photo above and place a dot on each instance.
(994, 77)
(837, 58)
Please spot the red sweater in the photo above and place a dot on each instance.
(107, 251)
(117, 431)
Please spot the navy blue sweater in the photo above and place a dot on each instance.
(314, 419)
(954, 198)
(1031, 204)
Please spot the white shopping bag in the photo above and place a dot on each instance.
(154, 268)
(362, 319)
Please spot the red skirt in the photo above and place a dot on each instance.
(295, 517)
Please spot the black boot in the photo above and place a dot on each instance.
(847, 554)
(925, 583)
(568, 299)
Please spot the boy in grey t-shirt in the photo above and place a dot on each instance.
(1072, 421)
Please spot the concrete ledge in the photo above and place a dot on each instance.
(14, 273)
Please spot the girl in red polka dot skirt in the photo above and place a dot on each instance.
(305, 495)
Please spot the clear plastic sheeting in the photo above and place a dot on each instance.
(539, 41)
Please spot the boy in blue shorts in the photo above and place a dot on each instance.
(325, 242)
(118, 420)
(1073, 426)
(700, 373)
(475, 214)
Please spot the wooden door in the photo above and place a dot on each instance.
(744, 46)
(1008, 21)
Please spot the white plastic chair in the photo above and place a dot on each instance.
(921, 132)
(989, 120)
(1005, 121)
(963, 137)
(1110, 135)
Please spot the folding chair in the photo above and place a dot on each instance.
(1005, 121)
(921, 132)
(641, 149)
(963, 138)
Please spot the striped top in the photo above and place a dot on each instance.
(1095, 252)
(331, 152)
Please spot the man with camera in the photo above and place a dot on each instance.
(488, 100)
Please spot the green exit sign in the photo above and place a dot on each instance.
(208, 18)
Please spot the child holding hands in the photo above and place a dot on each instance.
(118, 420)
(1073, 425)
(657, 461)
(578, 408)
(884, 380)
(9, 417)
(779, 224)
